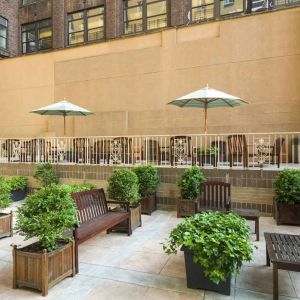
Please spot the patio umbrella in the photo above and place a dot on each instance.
(207, 98)
(63, 108)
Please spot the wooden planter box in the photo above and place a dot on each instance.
(6, 223)
(136, 220)
(288, 214)
(148, 204)
(18, 195)
(186, 208)
(42, 270)
(196, 279)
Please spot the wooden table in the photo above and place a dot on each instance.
(283, 250)
(249, 214)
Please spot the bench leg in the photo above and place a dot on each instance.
(257, 228)
(267, 258)
(275, 282)
(129, 232)
(76, 251)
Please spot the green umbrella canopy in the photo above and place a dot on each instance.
(207, 98)
(63, 108)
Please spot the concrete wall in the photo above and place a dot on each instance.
(128, 82)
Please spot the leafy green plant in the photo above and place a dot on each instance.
(123, 186)
(5, 196)
(47, 215)
(189, 183)
(148, 179)
(74, 188)
(219, 242)
(17, 182)
(287, 186)
(210, 150)
(44, 173)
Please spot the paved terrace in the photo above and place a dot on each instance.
(116, 267)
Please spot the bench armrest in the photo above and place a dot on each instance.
(126, 203)
(228, 203)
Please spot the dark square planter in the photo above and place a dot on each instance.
(288, 214)
(196, 279)
(148, 204)
(18, 195)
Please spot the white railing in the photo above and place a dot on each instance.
(243, 151)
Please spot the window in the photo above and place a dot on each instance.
(202, 10)
(228, 2)
(28, 2)
(37, 36)
(86, 26)
(3, 33)
(141, 15)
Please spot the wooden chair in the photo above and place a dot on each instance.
(121, 150)
(276, 151)
(238, 150)
(152, 151)
(214, 195)
(80, 150)
(101, 151)
(181, 151)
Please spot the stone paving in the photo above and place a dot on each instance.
(116, 266)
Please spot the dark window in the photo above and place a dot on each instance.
(202, 10)
(3, 33)
(37, 36)
(142, 15)
(86, 26)
(28, 2)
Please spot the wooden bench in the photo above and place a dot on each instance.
(94, 216)
(251, 215)
(283, 250)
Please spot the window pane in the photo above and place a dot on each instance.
(231, 7)
(76, 26)
(157, 8)
(28, 36)
(45, 33)
(76, 38)
(3, 31)
(131, 3)
(133, 13)
(95, 11)
(75, 16)
(95, 22)
(134, 26)
(203, 12)
(3, 21)
(157, 22)
(45, 44)
(95, 34)
(2, 42)
(28, 27)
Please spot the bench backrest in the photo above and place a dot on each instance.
(90, 204)
(214, 194)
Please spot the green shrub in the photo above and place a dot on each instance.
(123, 186)
(148, 179)
(17, 182)
(287, 186)
(74, 187)
(44, 173)
(47, 215)
(211, 150)
(189, 183)
(5, 195)
(219, 242)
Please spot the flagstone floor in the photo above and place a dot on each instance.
(117, 267)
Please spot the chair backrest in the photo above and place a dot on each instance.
(278, 144)
(152, 151)
(90, 204)
(214, 195)
(237, 144)
(185, 141)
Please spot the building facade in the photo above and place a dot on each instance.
(28, 26)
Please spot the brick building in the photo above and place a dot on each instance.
(28, 26)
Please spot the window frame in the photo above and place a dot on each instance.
(85, 30)
(37, 40)
(6, 30)
(144, 5)
(201, 6)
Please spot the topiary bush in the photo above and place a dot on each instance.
(287, 186)
(148, 179)
(189, 183)
(219, 242)
(44, 173)
(5, 195)
(47, 215)
(123, 186)
(17, 182)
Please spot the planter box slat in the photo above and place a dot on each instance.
(6, 222)
(149, 204)
(288, 214)
(186, 208)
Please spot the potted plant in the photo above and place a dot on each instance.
(6, 219)
(215, 244)
(148, 179)
(189, 185)
(207, 155)
(45, 174)
(123, 186)
(287, 197)
(47, 215)
(18, 186)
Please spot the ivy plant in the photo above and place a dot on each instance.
(45, 174)
(287, 186)
(189, 183)
(123, 186)
(47, 215)
(148, 178)
(17, 182)
(219, 242)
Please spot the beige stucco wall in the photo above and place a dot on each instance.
(129, 81)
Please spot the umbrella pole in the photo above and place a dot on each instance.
(205, 118)
(64, 124)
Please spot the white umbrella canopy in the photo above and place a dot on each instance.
(62, 108)
(207, 98)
